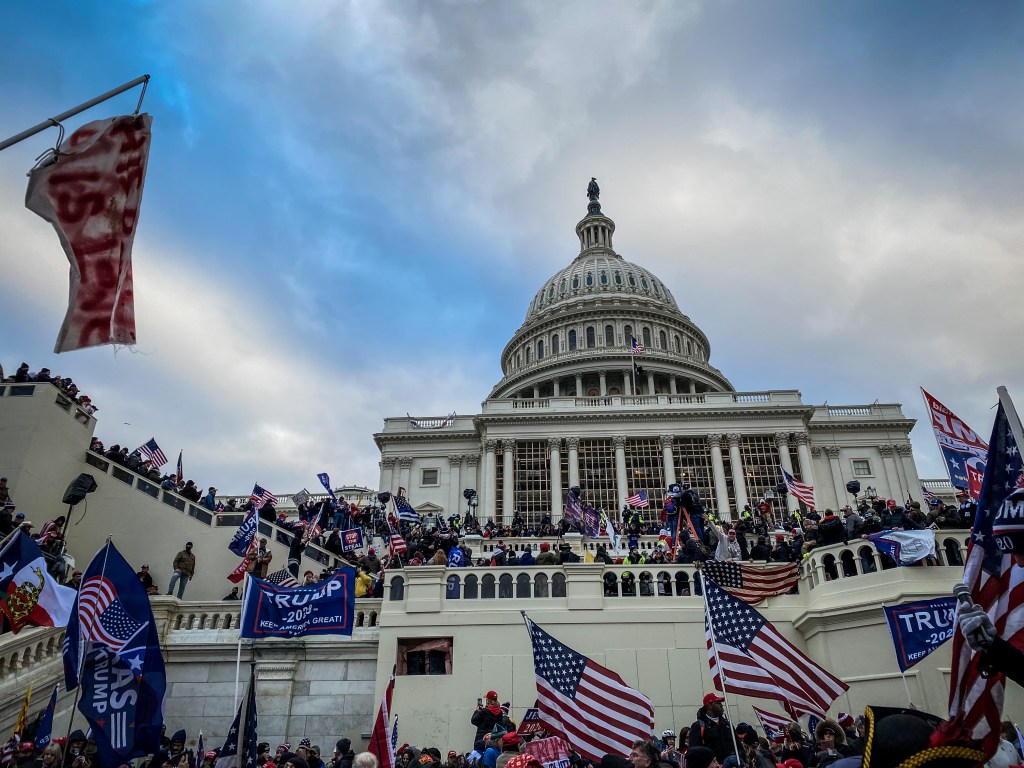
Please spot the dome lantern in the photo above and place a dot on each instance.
(595, 229)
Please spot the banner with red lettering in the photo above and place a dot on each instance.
(963, 450)
(90, 189)
(552, 752)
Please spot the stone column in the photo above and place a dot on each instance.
(907, 471)
(739, 481)
(672, 387)
(782, 443)
(405, 472)
(667, 459)
(604, 382)
(489, 499)
(718, 468)
(508, 487)
(619, 441)
(536, 391)
(454, 483)
(896, 489)
(387, 473)
(803, 449)
(832, 451)
(579, 385)
(472, 479)
(627, 382)
(557, 392)
(573, 444)
(693, 387)
(650, 382)
(555, 469)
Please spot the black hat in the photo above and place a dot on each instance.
(699, 757)
(897, 737)
(343, 745)
(179, 736)
(76, 735)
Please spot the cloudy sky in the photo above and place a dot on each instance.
(349, 205)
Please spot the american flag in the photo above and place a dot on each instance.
(398, 545)
(752, 583)
(589, 706)
(282, 578)
(774, 725)
(802, 491)
(261, 496)
(152, 452)
(394, 735)
(755, 660)
(405, 511)
(380, 739)
(104, 619)
(635, 347)
(996, 585)
(638, 499)
(311, 532)
(928, 496)
(249, 753)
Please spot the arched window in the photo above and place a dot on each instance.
(643, 283)
(554, 344)
(572, 341)
(558, 585)
(540, 349)
(618, 277)
(575, 282)
(523, 585)
(689, 349)
(627, 334)
(397, 590)
(647, 337)
(657, 290)
(604, 277)
(590, 279)
(632, 280)
(561, 286)
(529, 355)
(487, 587)
(505, 585)
(540, 585)
(609, 335)
(591, 340)
(676, 341)
(662, 340)
(452, 591)
(551, 291)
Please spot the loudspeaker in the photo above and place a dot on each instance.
(853, 487)
(78, 488)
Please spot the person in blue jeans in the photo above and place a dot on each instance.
(184, 566)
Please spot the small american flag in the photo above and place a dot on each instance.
(104, 620)
(635, 346)
(802, 491)
(398, 545)
(282, 578)
(774, 725)
(638, 499)
(152, 452)
(261, 496)
(752, 583)
(590, 706)
(754, 660)
(929, 497)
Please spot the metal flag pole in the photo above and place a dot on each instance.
(238, 655)
(53, 121)
(718, 660)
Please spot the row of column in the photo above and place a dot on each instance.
(898, 471)
(627, 384)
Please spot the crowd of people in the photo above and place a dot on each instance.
(65, 384)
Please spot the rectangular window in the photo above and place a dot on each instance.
(862, 468)
(424, 656)
(430, 477)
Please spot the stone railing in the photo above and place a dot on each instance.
(860, 557)
(45, 389)
(27, 649)
(704, 400)
(219, 621)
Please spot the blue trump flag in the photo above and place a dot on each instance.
(240, 541)
(920, 627)
(325, 481)
(45, 727)
(112, 648)
(456, 557)
(326, 608)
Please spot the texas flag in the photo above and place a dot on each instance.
(29, 595)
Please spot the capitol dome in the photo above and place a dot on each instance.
(577, 336)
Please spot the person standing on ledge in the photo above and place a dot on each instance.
(184, 568)
(486, 715)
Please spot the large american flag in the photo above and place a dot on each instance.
(638, 500)
(635, 347)
(395, 539)
(996, 585)
(755, 660)
(802, 491)
(589, 706)
(152, 452)
(380, 739)
(261, 496)
(752, 583)
(104, 620)
(774, 725)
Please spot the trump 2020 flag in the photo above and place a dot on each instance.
(91, 191)
(243, 536)
(456, 558)
(325, 481)
(112, 648)
(920, 627)
(29, 595)
(905, 547)
(325, 608)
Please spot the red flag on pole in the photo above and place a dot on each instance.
(90, 189)
(380, 740)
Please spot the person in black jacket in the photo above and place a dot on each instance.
(831, 530)
(712, 728)
(761, 550)
(487, 715)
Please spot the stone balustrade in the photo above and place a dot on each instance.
(27, 649)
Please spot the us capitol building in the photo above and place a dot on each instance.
(572, 410)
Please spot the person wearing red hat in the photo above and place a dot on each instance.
(546, 556)
(712, 728)
(486, 715)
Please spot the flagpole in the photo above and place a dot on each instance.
(238, 655)
(1011, 416)
(718, 661)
